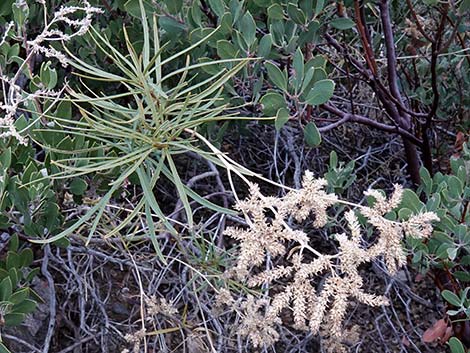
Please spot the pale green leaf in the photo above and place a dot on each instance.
(312, 135)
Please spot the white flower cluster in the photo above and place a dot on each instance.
(14, 97)
(64, 15)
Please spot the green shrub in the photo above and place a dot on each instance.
(16, 299)
(447, 253)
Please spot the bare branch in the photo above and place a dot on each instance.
(345, 117)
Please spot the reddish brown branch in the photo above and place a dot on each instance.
(369, 54)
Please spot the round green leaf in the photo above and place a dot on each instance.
(13, 319)
(321, 92)
(5, 289)
(282, 117)
(272, 102)
(296, 14)
(78, 186)
(265, 45)
(226, 50)
(275, 12)
(248, 28)
(451, 297)
(456, 346)
(312, 135)
(19, 296)
(342, 23)
(25, 307)
(411, 201)
(171, 26)
(278, 77)
(174, 6)
(218, 7)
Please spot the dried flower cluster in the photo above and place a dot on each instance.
(154, 307)
(135, 339)
(14, 96)
(64, 16)
(159, 306)
(314, 306)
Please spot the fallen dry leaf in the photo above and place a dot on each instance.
(448, 334)
(435, 332)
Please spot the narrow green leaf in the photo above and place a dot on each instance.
(181, 191)
(153, 234)
(99, 206)
(146, 34)
(152, 202)
(3, 348)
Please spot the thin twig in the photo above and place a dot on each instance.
(52, 299)
(23, 342)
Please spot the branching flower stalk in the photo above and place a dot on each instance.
(14, 97)
(314, 307)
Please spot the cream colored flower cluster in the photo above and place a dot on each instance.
(315, 305)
